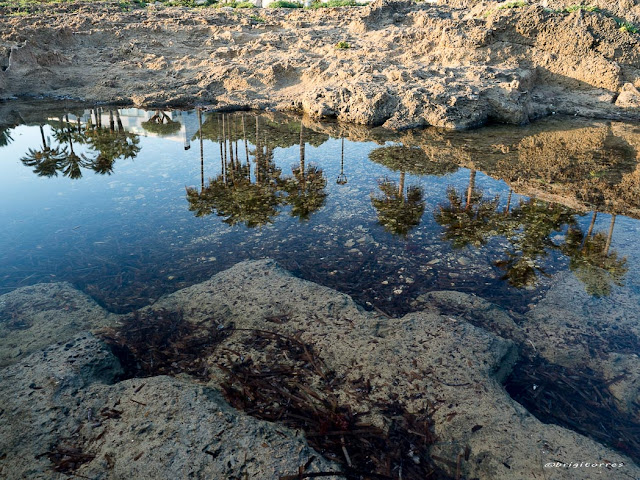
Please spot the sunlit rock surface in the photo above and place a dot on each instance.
(68, 399)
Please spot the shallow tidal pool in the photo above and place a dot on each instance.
(129, 205)
(528, 232)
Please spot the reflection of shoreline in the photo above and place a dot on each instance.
(495, 150)
(133, 118)
(559, 160)
(251, 189)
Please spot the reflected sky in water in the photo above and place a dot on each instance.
(130, 205)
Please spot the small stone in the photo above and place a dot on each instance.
(349, 243)
(434, 261)
(629, 97)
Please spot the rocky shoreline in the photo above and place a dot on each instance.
(72, 404)
(407, 65)
(73, 400)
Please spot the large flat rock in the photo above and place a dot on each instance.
(37, 316)
(153, 428)
(422, 359)
(70, 395)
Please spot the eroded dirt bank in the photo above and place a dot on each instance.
(407, 64)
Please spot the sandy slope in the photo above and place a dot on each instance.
(408, 64)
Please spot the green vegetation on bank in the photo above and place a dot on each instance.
(234, 5)
(623, 25)
(27, 7)
(336, 3)
(513, 5)
(626, 26)
(569, 9)
(284, 4)
(24, 7)
(575, 8)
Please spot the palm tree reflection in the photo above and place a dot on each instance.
(305, 190)
(232, 194)
(591, 260)
(161, 124)
(45, 161)
(104, 145)
(530, 230)
(471, 222)
(5, 135)
(71, 163)
(399, 212)
(467, 224)
(110, 144)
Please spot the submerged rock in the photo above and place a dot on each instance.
(421, 359)
(162, 427)
(570, 327)
(64, 402)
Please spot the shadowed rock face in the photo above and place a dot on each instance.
(163, 425)
(408, 65)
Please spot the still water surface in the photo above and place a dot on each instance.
(129, 205)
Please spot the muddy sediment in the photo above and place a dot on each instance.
(407, 65)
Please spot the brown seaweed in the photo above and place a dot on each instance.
(161, 342)
(67, 459)
(577, 400)
(283, 379)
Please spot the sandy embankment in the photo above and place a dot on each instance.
(408, 64)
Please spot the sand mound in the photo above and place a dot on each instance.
(406, 64)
